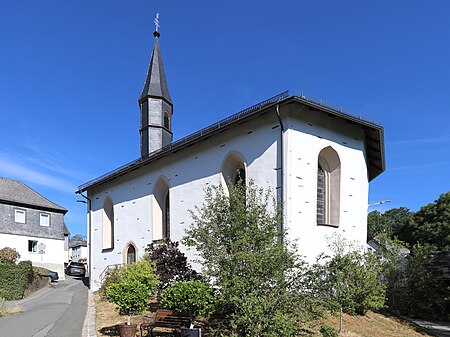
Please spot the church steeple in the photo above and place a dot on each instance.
(155, 103)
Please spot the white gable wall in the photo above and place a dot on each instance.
(305, 141)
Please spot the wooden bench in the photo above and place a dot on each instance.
(167, 319)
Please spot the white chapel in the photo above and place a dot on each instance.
(318, 160)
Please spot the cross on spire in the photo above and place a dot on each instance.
(156, 21)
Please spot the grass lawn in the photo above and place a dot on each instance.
(371, 325)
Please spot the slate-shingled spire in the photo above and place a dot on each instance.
(155, 104)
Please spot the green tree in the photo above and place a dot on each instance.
(431, 224)
(78, 237)
(248, 260)
(9, 255)
(376, 224)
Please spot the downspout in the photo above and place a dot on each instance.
(281, 169)
(89, 205)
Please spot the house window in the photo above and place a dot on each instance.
(32, 246)
(44, 219)
(19, 215)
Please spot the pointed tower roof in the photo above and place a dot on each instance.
(155, 83)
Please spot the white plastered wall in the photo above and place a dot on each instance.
(304, 143)
(52, 258)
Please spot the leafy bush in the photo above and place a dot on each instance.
(171, 264)
(351, 279)
(191, 298)
(248, 259)
(15, 279)
(130, 286)
(111, 276)
(130, 296)
(413, 290)
(9, 255)
(328, 331)
(143, 272)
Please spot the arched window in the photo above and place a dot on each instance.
(131, 254)
(233, 170)
(108, 225)
(328, 187)
(161, 210)
(166, 119)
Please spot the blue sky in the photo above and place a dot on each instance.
(71, 73)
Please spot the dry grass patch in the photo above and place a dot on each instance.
(107, 318)
(10, 311)
(375, 325)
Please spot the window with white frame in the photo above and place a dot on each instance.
(44, 219)
(19, 215)
(32, 246)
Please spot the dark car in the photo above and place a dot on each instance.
(53, 275)
(76, 269)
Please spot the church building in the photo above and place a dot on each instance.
(318, 160)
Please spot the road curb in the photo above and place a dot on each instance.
(89, 321)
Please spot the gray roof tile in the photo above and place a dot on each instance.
(16, 192)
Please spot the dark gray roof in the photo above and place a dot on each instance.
(66, 230)
(155, 84)
(73, 244)
(374, 136)
(17, 193)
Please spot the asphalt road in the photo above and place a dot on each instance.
(57, 311)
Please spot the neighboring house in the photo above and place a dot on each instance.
(33, 225)
(318, 160)
(66, 246)
(78, 251)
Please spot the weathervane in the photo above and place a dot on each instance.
(156, 21)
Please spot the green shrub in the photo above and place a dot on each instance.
(111, 276)
(15, 279)
(190, 298)
(130, 296)
(143, 272)
(9, 255)
(328, 331)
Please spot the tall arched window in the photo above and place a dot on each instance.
(131, 254)
(328, 187)
(108, 225)
(161, 210)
